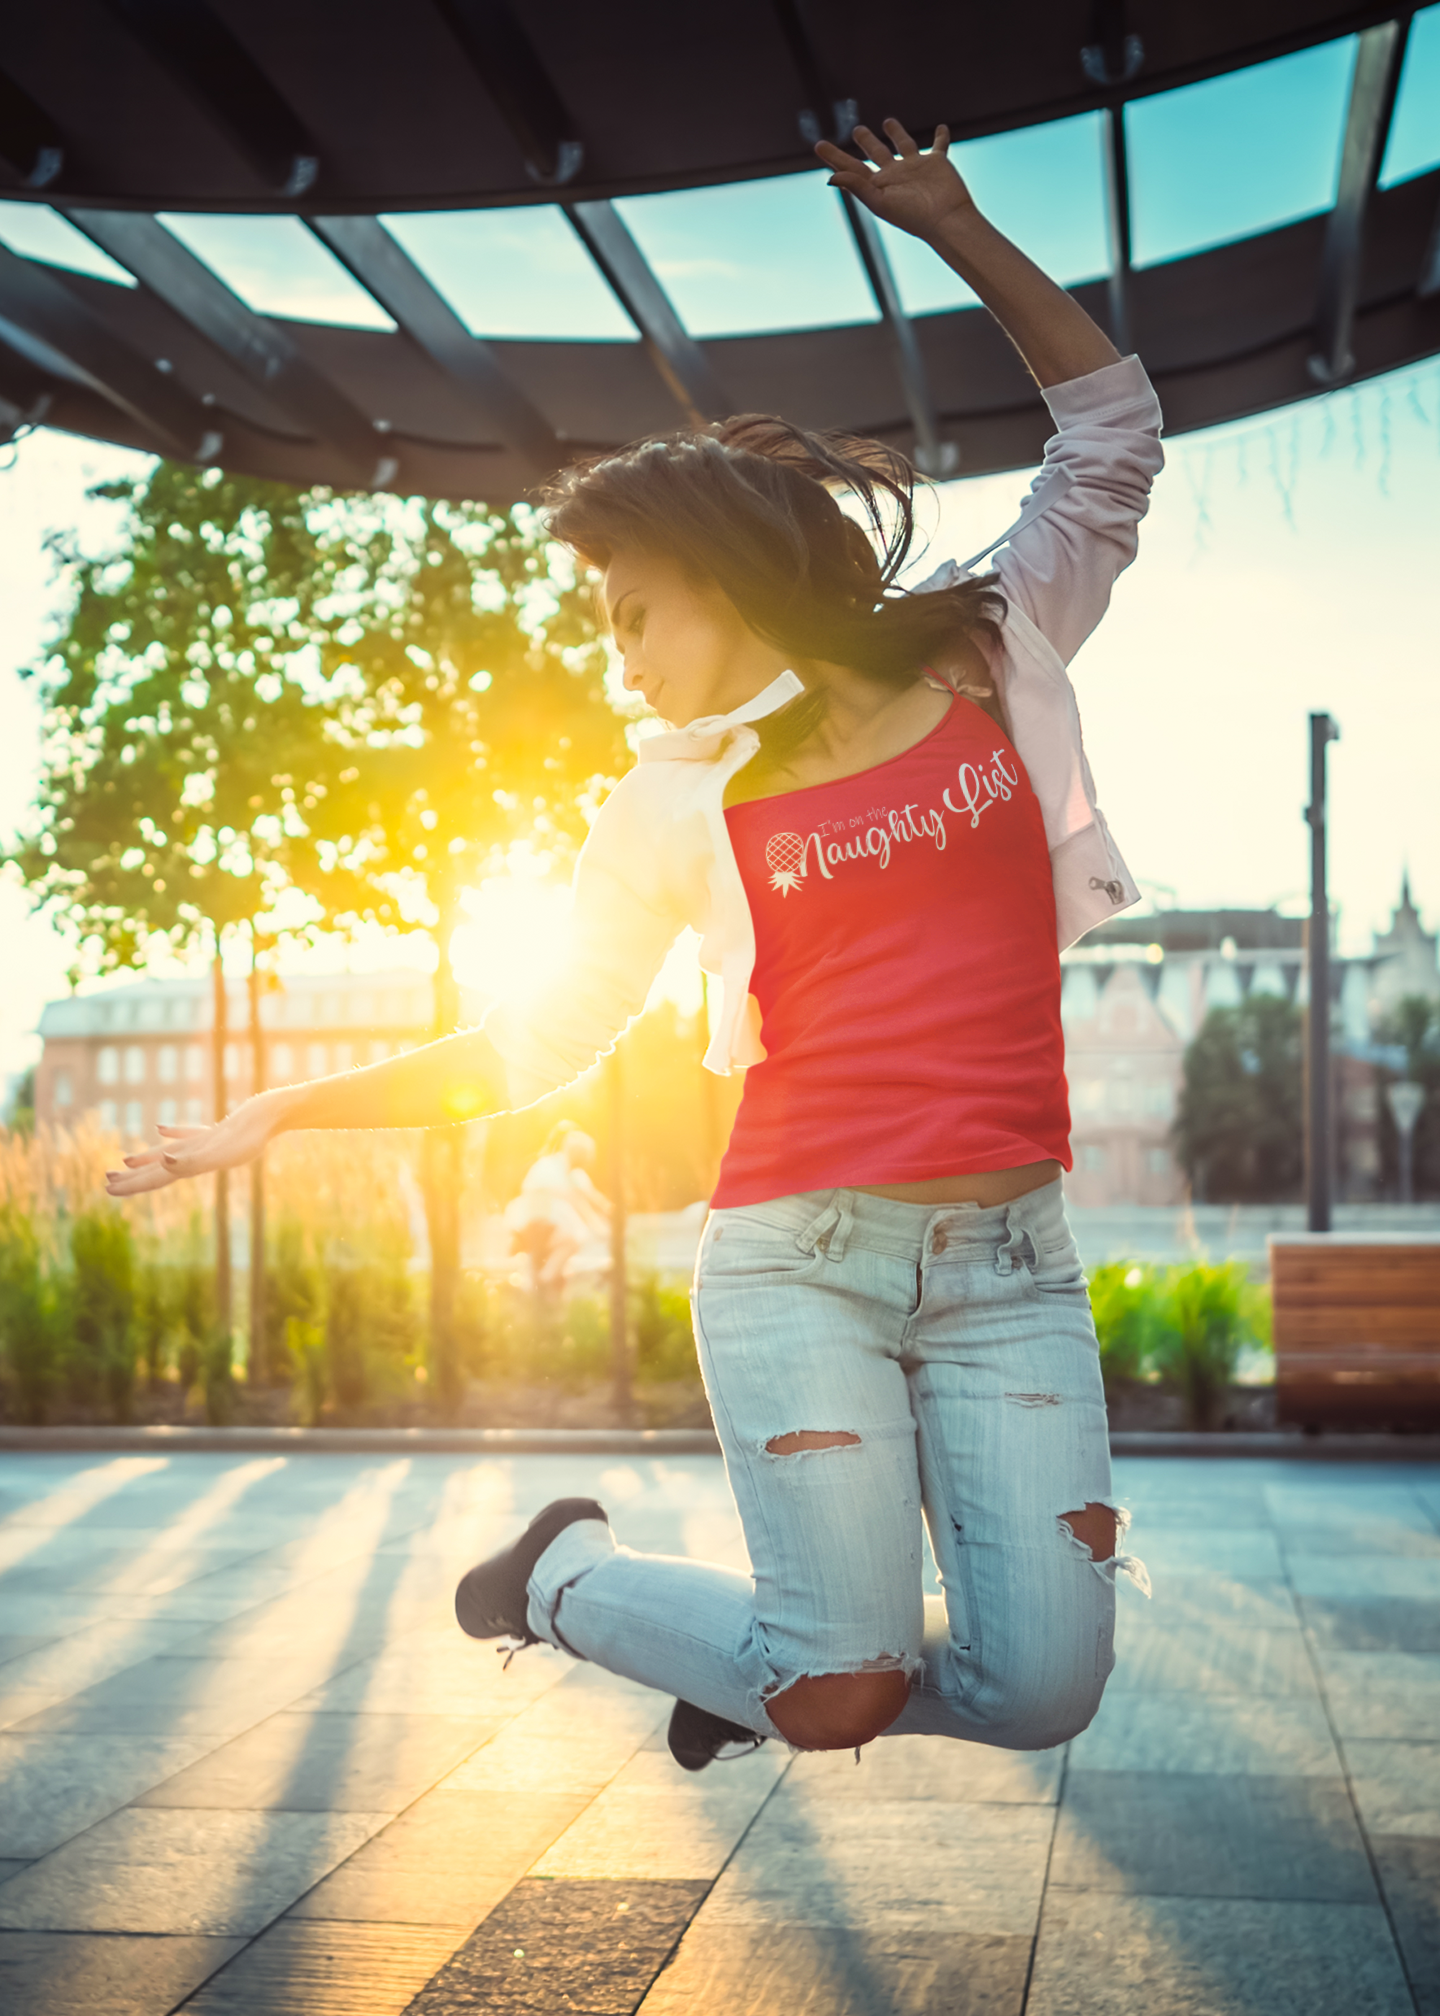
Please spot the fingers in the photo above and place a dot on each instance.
(135, 1182)
(870, 143)
(900, 140)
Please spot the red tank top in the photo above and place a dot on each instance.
(907, 974)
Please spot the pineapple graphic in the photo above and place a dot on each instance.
(785, 857)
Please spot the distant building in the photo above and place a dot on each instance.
(1135, 993)
(143, 1052)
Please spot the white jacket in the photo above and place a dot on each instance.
(659, 857)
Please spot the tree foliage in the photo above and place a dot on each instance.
(1239, 1131)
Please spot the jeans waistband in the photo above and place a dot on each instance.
(832, 1221)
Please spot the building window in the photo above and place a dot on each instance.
(232, 1060)
(168, 1063)
(282, 1064)
(168, 1112)
(134, 1116)
(194, 1063)
(1160, 1100)
(344, 1056)
(109, 1118)
(315, 1062)
(1092, 1158)
(63, 1092)
(134, 1065)
(379, 1051)
(194, 1111)
(107, 1065)
(1159, 1159)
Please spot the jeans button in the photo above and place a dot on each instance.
(938, 1241)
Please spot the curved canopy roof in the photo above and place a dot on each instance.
(443, 245)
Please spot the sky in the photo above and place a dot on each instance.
(1288, 563)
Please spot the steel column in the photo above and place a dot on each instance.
(673, 350)
(1372, 101)
(934, 456)
(1320, 1133)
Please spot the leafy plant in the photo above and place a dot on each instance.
(30, 1317)
(217, 1371)
(154, 1321)
(1205, 1316)
(662, 1329)
(305, 1343)
(1122, 1299)
(102, 1252)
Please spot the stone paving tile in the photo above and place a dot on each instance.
(15, 1646)
(1365, 1578)
(656, 1821)
(1397, 1786)
(805, 1970)
(295, 1969)
(187, 1698)
(889, 1865)
(1388, 1539)
(591, 1947)
(1207, 1733)
(1211, 1600)
(1159, 1833)
(449, 1859)
(1156, 1656)
(10, 1867)
(53, 1787)
(573, 1739)
(928, 1768)
(1250, 1554)
(434, 1673)
(1382, 1694)
(1410, 1875)
(1101, 1955)
(223, 1873)
(54, 1669)
(85, 1974)
(1392, 1624)
(327, 1764)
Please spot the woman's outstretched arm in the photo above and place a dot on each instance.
(457, 1078)
(923, 193)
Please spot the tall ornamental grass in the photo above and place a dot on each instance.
(1185, 1327)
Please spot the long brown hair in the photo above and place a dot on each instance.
(751, 504)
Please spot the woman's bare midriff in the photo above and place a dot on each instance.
(986, 1186)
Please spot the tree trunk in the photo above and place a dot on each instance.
(619, 1283)
(442, 1165)
(224, 1297)
(259, 1342)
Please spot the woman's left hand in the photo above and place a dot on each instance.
(918, 193)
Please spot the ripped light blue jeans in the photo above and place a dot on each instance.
(954, 1344)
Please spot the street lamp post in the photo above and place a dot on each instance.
(1320, 1144)
(1406, 1100)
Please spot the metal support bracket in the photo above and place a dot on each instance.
(673, 350)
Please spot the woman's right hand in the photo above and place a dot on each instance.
(195, 1151)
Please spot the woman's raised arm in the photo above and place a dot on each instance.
(457, 1078)
(923, 193)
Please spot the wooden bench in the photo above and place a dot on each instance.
(1357, 1329)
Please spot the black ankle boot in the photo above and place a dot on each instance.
(697, 1737)
(490, 1602)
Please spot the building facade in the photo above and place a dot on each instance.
(143, 1053)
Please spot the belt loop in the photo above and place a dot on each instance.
(828, 1233)
(1012, 1244)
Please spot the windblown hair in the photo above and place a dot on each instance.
(751, 504)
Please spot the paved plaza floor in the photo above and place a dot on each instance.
(249, 1765)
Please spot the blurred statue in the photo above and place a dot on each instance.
(558, 1209)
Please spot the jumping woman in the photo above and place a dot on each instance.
(873, 805)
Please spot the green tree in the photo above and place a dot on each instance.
(1239, 1129)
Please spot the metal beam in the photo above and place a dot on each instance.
(933, 455)
(1429, 281)
(42, 320)
(388, 272)
(31, 147)
(515, 78)
(1367, 123)
(263, 352)
(208, 61)
(673, 350)
(1117, 226)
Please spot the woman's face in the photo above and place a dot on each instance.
(686, 647)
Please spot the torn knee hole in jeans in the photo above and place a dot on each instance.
(1034, 1399)
(1095, 1533)
(811, 1442)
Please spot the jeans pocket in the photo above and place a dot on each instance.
(1058, 1270)
(749, 1249)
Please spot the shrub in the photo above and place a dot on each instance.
(30, 1317)
(154, 1320)
(305, 1345)
(1205, 1316)
(663, 1333)
(217, 1371)
(102, 1251)
(370, 1332)
(294, 1287)
(1122, 1298)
